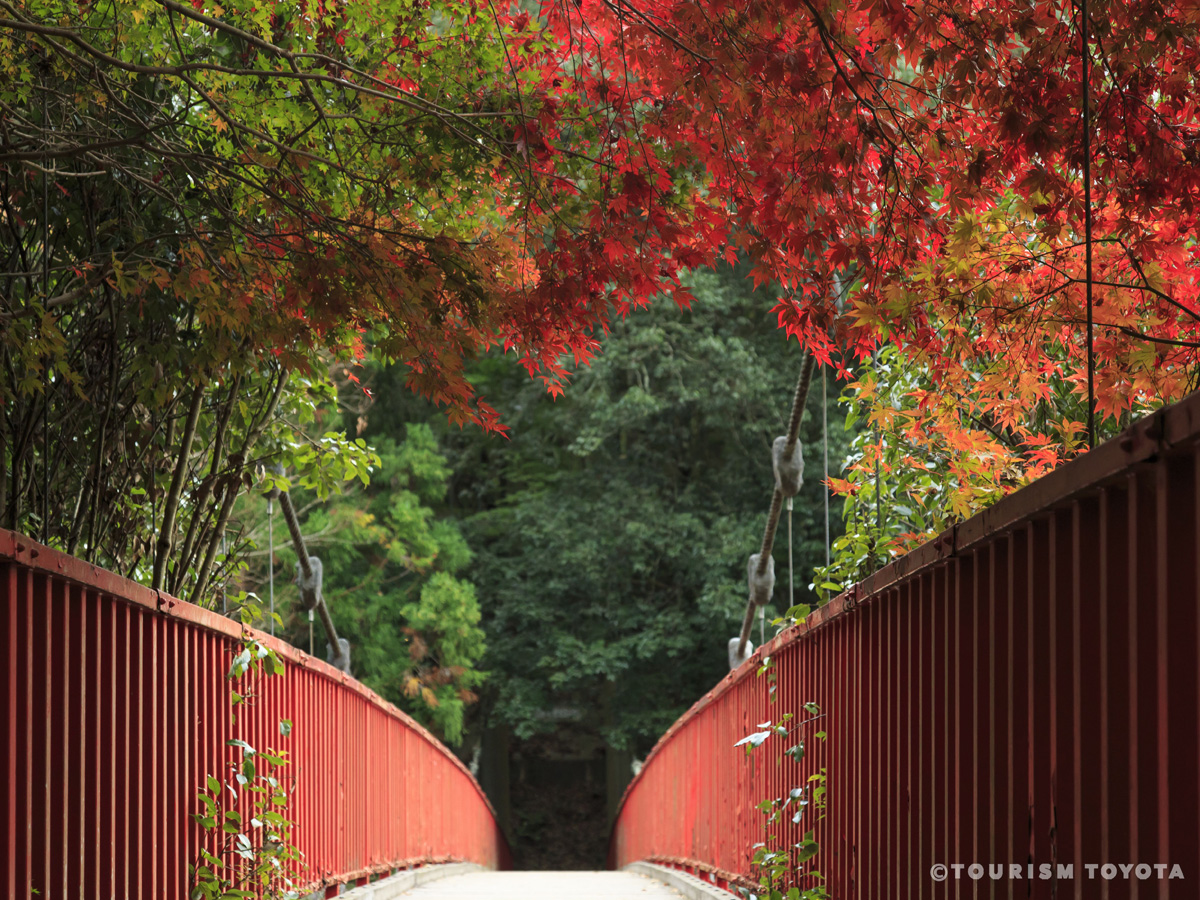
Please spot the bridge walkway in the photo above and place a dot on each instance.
(544, 886)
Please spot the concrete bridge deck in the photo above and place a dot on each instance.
(544, 886)
(467, 881)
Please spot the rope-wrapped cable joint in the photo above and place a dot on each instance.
(789, 468)
(760, 579)
(308, 579)
(736, 656)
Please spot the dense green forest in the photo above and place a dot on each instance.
(598, 551)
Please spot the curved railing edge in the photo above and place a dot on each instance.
(27, 552)
(1142, 441)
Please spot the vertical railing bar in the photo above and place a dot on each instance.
(68, 778)
(9, 808)
(8, 750)
(1014, 744)
(1161, 561)
(1039, 726)
(76, 715)
(1019, 710)
(985, 844)
(1077, 576)
(878, 749)
(861, 732)
(137, 688)
(914, 687)
(883, 725)
(174, 852)
(981, 749)
(28, 582)
(922, 755)
(108, 747)
(956, 732)
(946, 806)
(892, 836)
(188, 782)
(1108, 552)
(41, 727)
(93, 749)
(127, 808)
(153, 685)
(1064, 722)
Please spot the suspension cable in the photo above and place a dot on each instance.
(1087, 220)
(293, 524)
(791, 573)
(760, 566)
(45, 296)
(271, 559)
(310, 584)
(825, 452)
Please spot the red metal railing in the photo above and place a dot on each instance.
(1021, 690)
(115, 708)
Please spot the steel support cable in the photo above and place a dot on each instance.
(791, 566)
(764, 562)
(309, 578)
(271, 560)
(1087, 219)
(293, 525)
(46, 368)
(825, 452)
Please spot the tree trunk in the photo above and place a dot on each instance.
(194, 536)
(231, 491)
(166, 534)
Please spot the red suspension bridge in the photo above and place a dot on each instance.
(1021, 692)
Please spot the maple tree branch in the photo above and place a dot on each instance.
(1137, 264)
(823, 34)
(392, 94)
(644, 17)
(1134, 333)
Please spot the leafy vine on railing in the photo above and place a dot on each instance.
(782, 869)
(244, 815)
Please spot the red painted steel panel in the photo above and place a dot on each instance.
(1023, 690)
(115, 708)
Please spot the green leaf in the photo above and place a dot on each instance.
(241, 745)
(753, 740)
(807, 849)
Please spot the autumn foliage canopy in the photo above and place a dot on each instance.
(434, 178)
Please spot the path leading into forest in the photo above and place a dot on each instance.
(544, 886)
